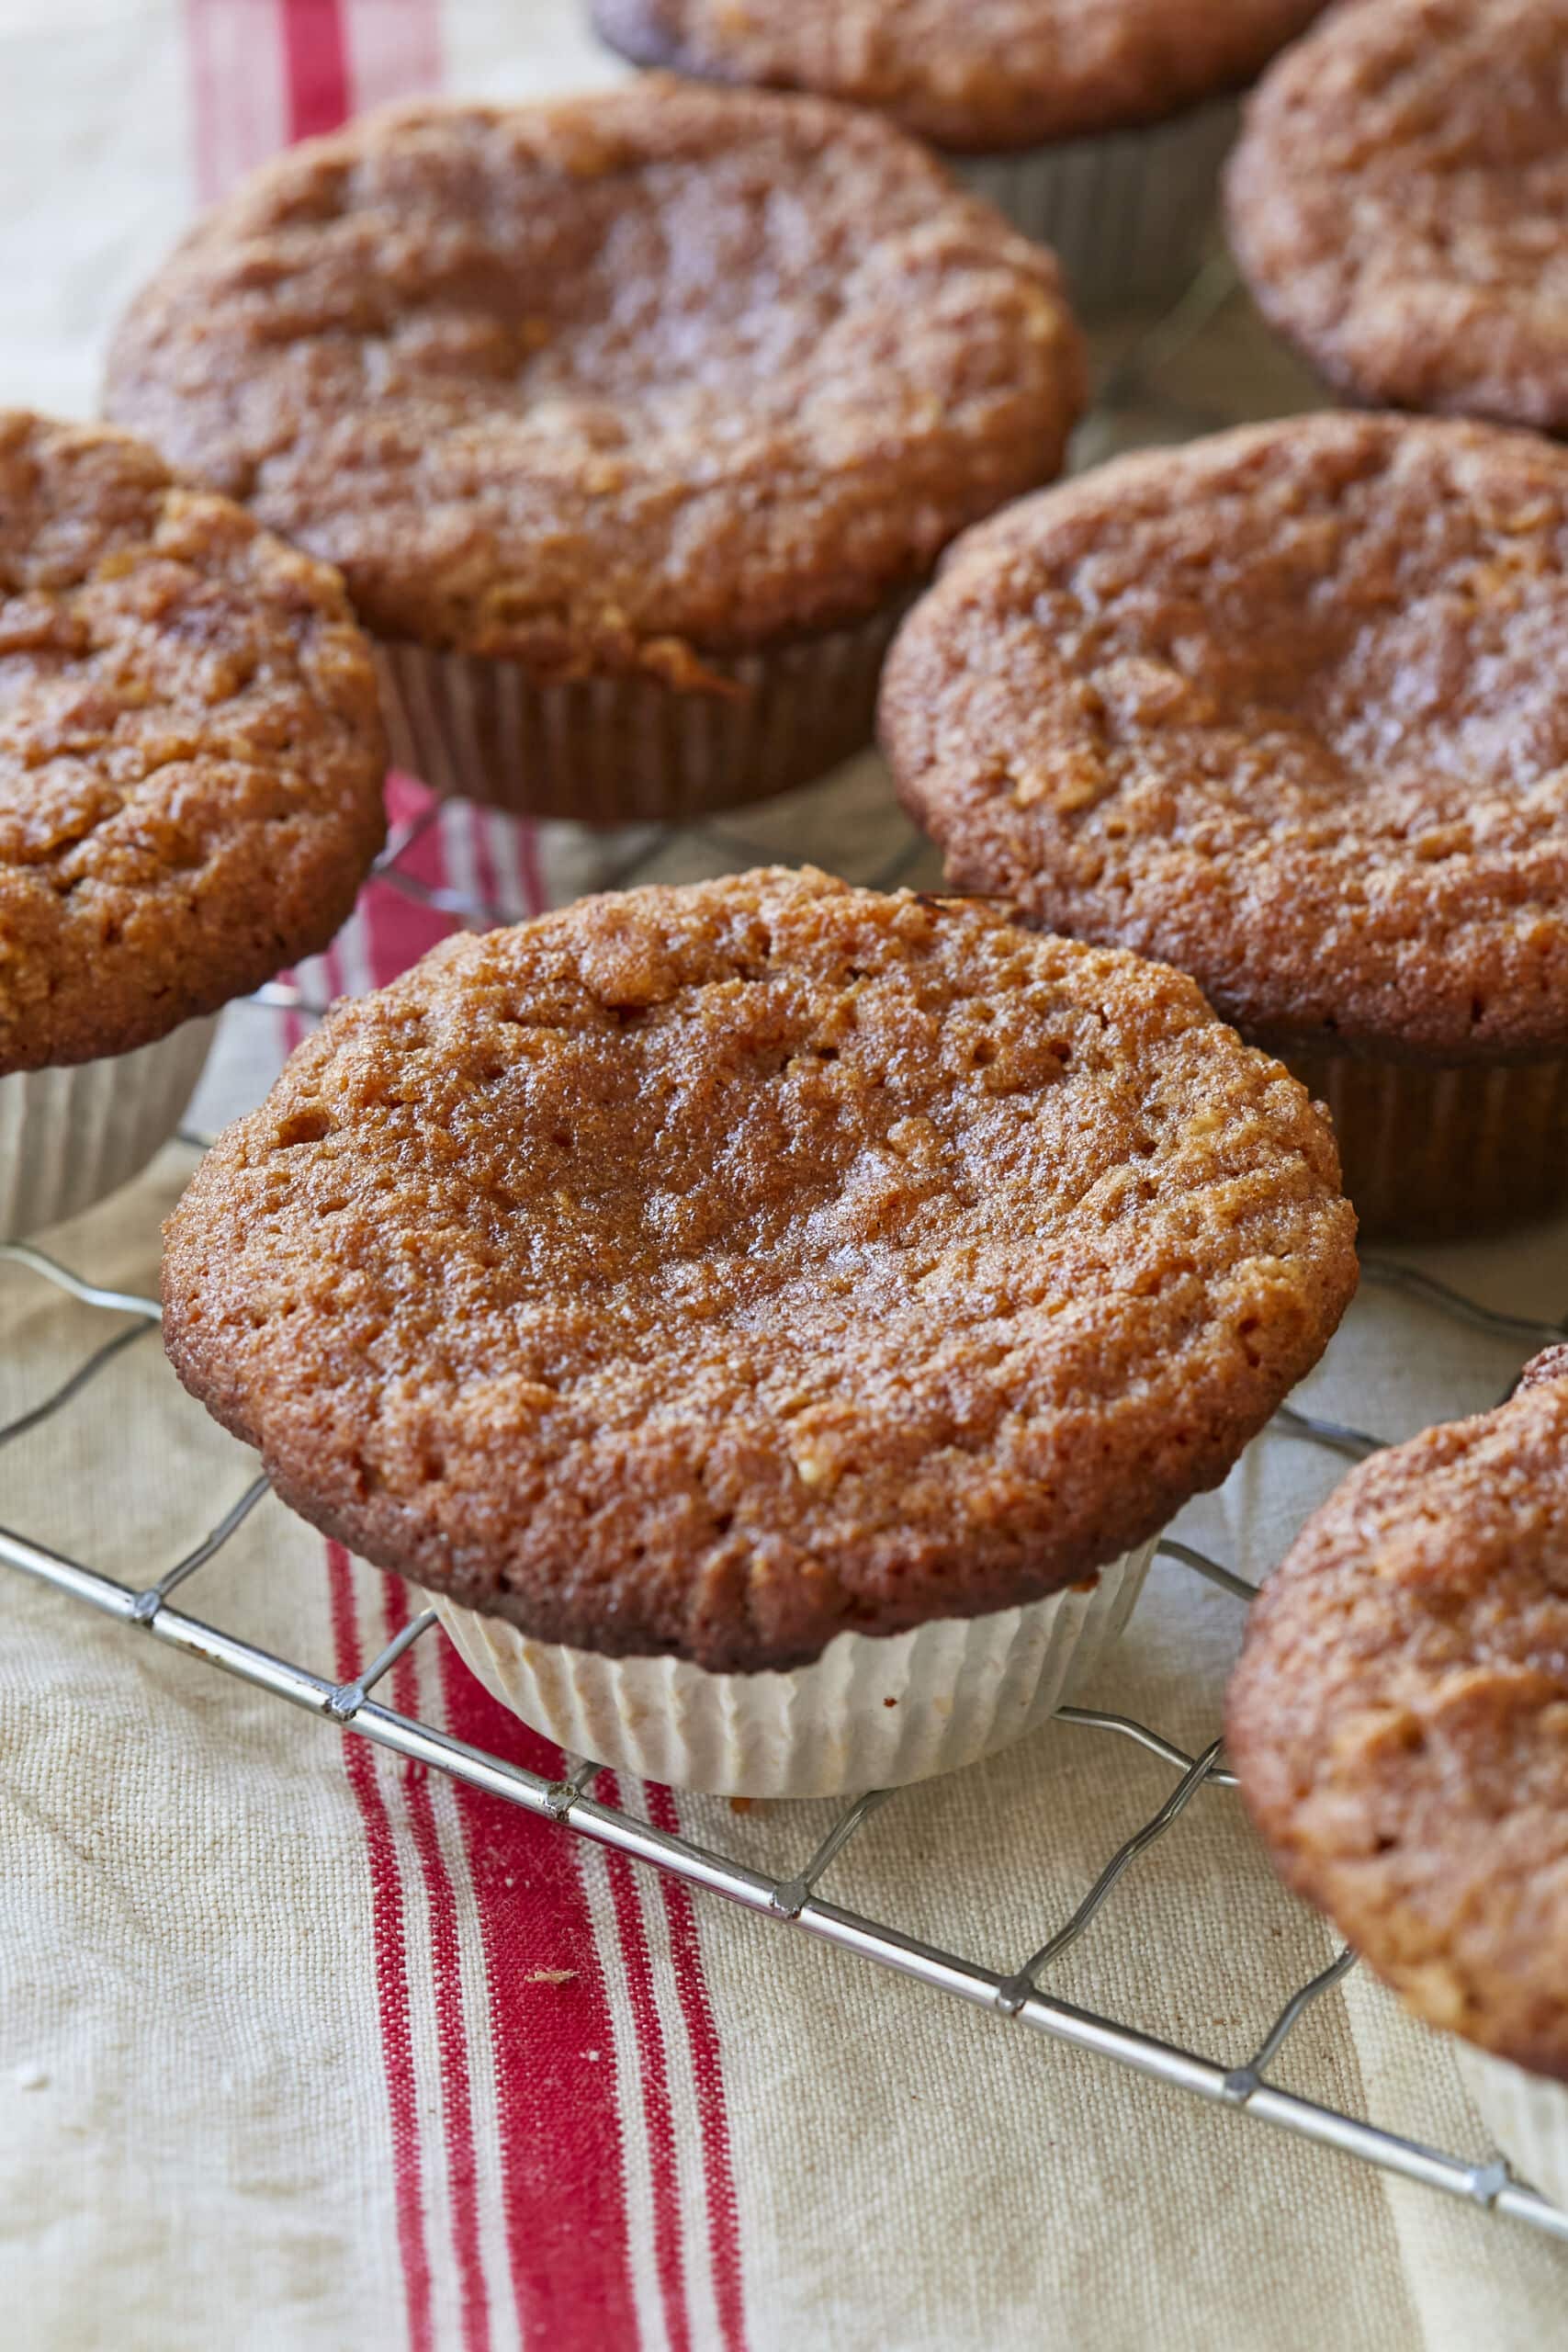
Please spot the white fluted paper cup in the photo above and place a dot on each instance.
(1128, 214)
(71, 1134)
(634, 750)
(1527, 2115)
(874, 1712)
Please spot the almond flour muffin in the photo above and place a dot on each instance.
(631, 421)
(774, 1285)
(1097, 124)
(1399, 1723)
(190, 770)
(1289, 707)
(1399, 205)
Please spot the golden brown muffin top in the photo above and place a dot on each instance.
(970, 75)
(609, 383)
(712, 1270)
(1289, 707)
(1399, 1720)
(191, 748)
(1399, 205)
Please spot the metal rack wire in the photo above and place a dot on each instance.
(1015, 1994)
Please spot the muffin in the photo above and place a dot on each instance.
(631, 421)
(772, 1319)
(1289, 707)
(191, 793)
(1399, 1723)
(1399, 206)
(1099, 128)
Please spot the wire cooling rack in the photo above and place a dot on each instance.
(1166, 384)
(1014, 1994)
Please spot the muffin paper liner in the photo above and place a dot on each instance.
(1431, 1148)
(1128, 214)
(1527, 2115)
(629, 750)
(872, 1712)
(70, 1134)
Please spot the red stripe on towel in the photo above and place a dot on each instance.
(452, 2034)
(391, 1969)
(315, 59)
(669, 2254)
(707, 2067)
(566, 2210)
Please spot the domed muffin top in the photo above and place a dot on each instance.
(191, 751)
(970, 75)
(1399, 1720)
(610, 383)
(1399, 205)
(1288, 708)
(712, 1270)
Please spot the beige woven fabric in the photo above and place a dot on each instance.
(191, 2066)
(298, 2050)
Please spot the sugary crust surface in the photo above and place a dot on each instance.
(1399, 1720)
(1288, 708)
(713, 1270)
(610, 383)
(970, 75)
(191, 751)
(1398, 205)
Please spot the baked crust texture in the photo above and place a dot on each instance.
(1399, 1720)
(1397, 203)
(712, 1270)
(191, 750)
(1287, 708)
(605, 385)
(971, 75)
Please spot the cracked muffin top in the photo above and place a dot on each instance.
(970, 75)
(1399, 205)
(191, 748)
(1288, 708)
(607, 384)
(711, 1271)
(1399, 1720)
